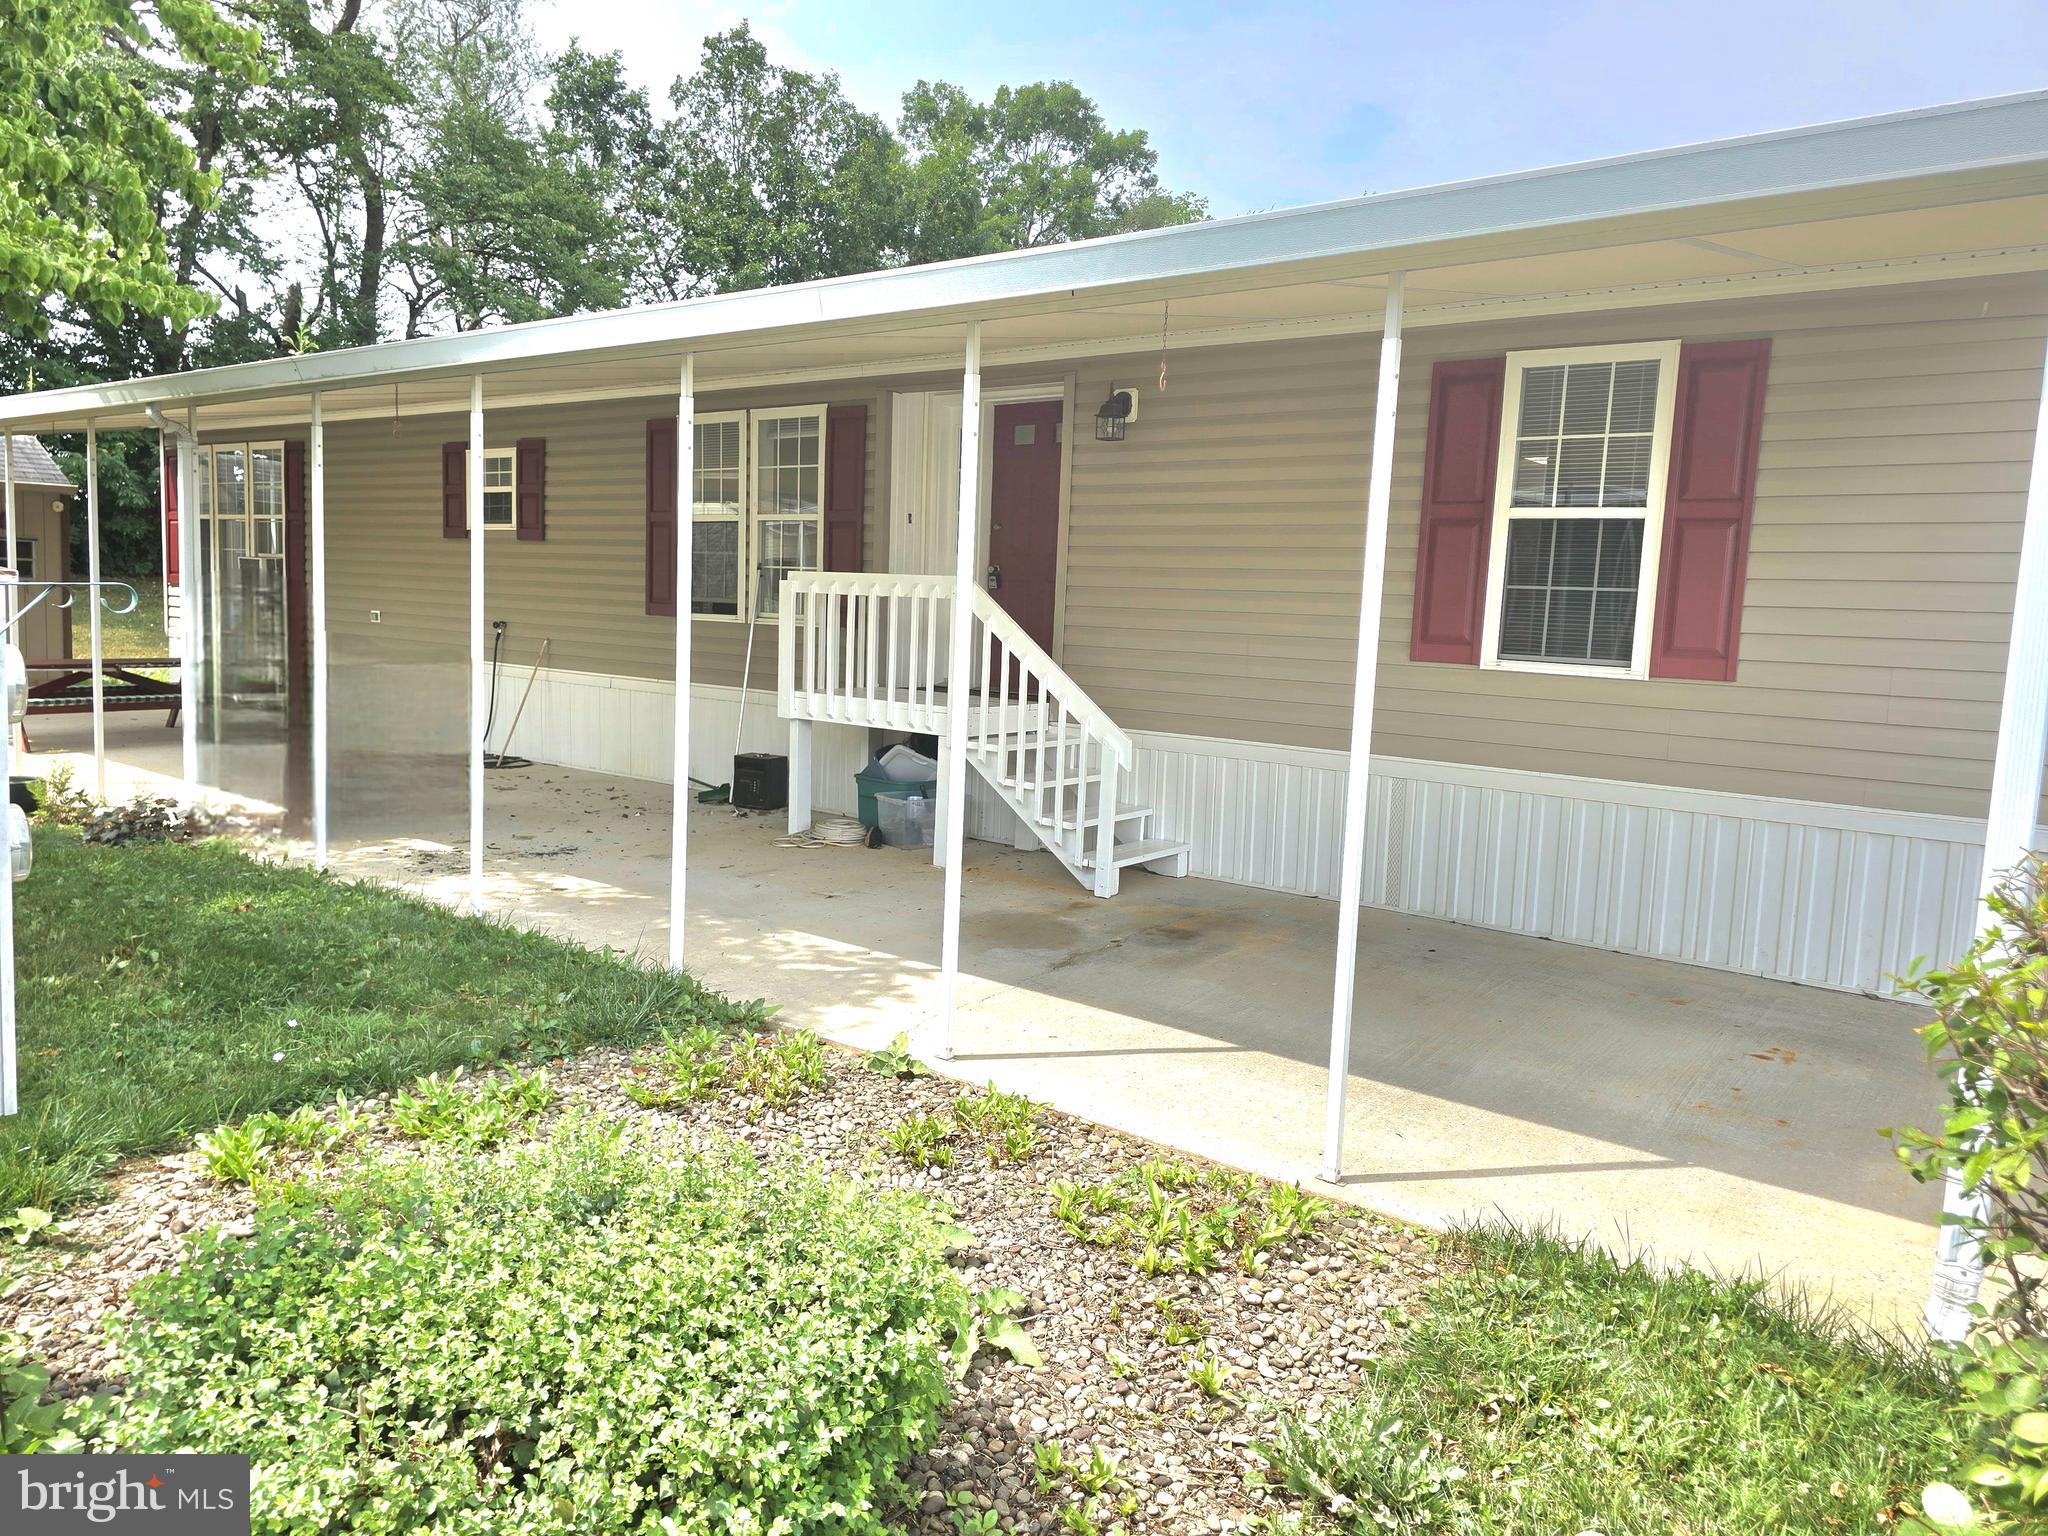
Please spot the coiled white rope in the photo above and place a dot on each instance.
(828, 832)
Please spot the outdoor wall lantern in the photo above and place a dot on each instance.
(1114, 414)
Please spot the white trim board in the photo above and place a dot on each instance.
(1830, 895)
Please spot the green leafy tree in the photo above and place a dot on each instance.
(84, 150)
(768, 175)
(496, 222)
(1033, 165)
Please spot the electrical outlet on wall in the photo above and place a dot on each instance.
(376, 616)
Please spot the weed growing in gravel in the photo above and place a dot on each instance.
(776, 1070)
(1180, 1323)
(1049, 1465)
(1210, 1373)
(694, 1061)
(235, 1154)
(771, 1070)
(441, 1109)
(1099, 1472)
(895, 1059)
(1174, 1219)
(921, 1141)
(969, 1518)
(1004, 1123)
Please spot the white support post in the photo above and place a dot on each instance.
(1358, 776)
(92, 575)
(10, 593)
(2008, 837)
(479, 677)
(316, 537)
(191, 625)
(942, 813)
(686, 512)
(801, 813)
(953, 783)
(1106, 871)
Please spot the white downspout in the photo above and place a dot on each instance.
(1358, 775)
(92, 575)
(316, 535)
(686, 514)
(2008, 837)
(7, 476)
(959, 698)
(479, 682)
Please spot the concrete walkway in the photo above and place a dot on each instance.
(1720, 1119)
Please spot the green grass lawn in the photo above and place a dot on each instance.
(1551, 1389)
(165, 988)
(140, 633)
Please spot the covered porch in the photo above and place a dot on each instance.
(1700, 1115)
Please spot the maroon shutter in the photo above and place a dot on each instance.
(661, 515)
(1718, 421)
(171, 517)
(1457, 509)
(846, 485)
(454, 493)
(530, 471)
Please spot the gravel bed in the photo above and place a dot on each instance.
(1299, 1335)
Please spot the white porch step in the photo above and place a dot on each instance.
(1151, 850)
(1063, 819)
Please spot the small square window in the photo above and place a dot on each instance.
(1024, 434)
(501, 488)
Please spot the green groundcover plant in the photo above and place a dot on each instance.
(574, 1336)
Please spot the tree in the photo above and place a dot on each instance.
(84, 150)
(768, 175)
(1034, 165)
(497, 224)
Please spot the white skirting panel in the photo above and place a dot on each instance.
(1831, 895)
(624, 726)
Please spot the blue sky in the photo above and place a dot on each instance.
(1261, 106)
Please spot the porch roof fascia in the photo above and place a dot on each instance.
(1926, 157)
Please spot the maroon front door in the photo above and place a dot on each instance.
(1024, 514)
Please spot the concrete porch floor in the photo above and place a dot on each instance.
(1699, 1115)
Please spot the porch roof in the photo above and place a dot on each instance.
(1958, 188)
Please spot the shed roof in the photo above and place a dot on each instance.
(33, 465)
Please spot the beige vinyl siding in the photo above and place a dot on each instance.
(1213, 556)
(583, 587)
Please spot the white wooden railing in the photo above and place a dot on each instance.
(870, 649)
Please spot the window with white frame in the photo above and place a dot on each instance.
(1578, 508)
(789, 480)
(757, 505)
(501, 488)
(718, 506)
(25, 559)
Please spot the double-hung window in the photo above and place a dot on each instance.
(1578, 508)
(757, 504)
(501, 487)
(718, 506)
